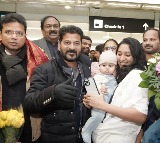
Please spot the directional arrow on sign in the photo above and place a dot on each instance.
(145, 26)
(115, 24)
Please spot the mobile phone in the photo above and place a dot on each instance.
(91, 86)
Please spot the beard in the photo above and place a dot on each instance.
(150, 49)
(85, 51)
(68, 57)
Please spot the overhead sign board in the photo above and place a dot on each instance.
(113, 24)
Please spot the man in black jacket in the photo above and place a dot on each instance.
(56, 90)
(17, 62)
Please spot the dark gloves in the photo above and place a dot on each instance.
(66, 92)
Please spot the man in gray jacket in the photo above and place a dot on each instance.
(50, 26)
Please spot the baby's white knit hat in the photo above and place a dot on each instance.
(108, 57)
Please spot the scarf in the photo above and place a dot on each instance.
(35, 57)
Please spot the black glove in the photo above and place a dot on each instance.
(65, 91)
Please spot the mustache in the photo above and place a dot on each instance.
(71, 51)
(52, 32)
(148, 45)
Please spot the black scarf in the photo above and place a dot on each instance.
(14, 71)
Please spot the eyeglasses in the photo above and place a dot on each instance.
(113, 48)
(18, 33)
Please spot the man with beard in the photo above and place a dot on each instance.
(57, 90)
(86, 45)
(151, 42)
(50, 29)
(151, 45)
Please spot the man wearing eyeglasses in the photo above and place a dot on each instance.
(17, 61)
(50, 29)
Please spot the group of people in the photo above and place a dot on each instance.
(47, 77)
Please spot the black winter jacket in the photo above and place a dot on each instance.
(14, 92)
(61, 120)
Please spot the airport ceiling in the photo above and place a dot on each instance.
(122, 4)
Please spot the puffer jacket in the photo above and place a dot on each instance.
(62, 121)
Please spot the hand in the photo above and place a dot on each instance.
(103, 89)
(86, 103)
(94, 101)
(36, 126)
(65, 91)
(139, 136)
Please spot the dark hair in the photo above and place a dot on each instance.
(111, 40)
(45, 18)
(70, 29)
(139, 58)
(154, 30)
(13, 17)
(87, 38)
(99, 48)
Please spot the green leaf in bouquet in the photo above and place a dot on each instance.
(143, 84)
(158, 84)
(151, 73)
(143, 75)
(149, 67)
(151, 93)
(153, 76)
(152, 85)
(157, 100)
(10, 134)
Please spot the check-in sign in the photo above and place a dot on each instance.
(112, 24)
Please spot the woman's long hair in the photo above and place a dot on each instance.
(139, 58)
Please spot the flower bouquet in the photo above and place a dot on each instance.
(10, 123)
(151, 79)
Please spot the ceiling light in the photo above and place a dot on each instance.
(91, 2)
(107, 37)
(151, 7)
(137, 1)
(133, 1)
(56, 0)
(67, 7)
(123, 5)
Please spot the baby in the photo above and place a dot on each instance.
(106, 77)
